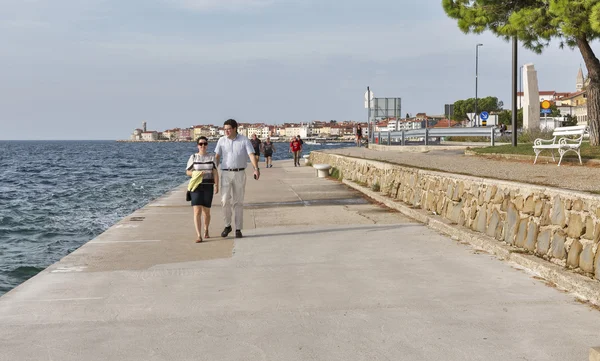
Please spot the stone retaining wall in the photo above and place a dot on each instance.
(561, 226)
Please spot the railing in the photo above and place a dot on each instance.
(402, 135)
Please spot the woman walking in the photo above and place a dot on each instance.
(268, 148)
(358, 135)
(202, 195)
(296, 148)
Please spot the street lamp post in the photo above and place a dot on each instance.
(476, 79)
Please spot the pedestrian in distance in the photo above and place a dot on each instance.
(358, 135)
(233, 150)
(301, 146)
(296, 148)
(267, 149)
(202, 167)
(256, 145)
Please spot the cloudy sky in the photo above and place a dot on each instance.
(95, 69)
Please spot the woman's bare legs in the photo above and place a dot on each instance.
(206, 214)
(197, 221)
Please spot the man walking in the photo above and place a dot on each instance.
(234, 150)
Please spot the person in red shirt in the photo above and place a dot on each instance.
(296, 148)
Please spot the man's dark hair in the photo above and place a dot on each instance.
(231, 122)
(201, 138)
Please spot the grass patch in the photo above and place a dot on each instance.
(362, 184)
(335, 173)
(376, 187)
(587, 151)
(309, 163)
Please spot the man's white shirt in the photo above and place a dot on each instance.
(234, 152)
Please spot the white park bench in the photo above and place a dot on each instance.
(564, 139)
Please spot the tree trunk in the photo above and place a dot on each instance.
(592, 90)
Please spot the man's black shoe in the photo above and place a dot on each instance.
(226, 231)
(238, 234)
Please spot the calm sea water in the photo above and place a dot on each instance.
(57, 195)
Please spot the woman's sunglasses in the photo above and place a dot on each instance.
(202, 144)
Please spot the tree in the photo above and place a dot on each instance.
(575, 23)
(488, 104)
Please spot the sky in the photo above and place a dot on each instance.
(96, 69)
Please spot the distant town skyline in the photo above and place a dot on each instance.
(96, 69)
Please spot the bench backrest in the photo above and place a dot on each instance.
(576, 130)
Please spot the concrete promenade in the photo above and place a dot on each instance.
(321, 274)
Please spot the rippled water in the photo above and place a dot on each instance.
(57, 195)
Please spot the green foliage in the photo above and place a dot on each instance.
(575, 23)
(571, 120)
(488, 104)
(336, 173)
(376, 187)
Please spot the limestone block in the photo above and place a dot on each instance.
(449, 190)
(481, 220)
(532, 234)
(558, 245)
(512, 223)
(456, 192)
(462, 219)
(521, 233)
(597, 265)
(430, 201)
(439, 208)
(574, 252)
(578, 205)
(519, 203)
(586, 258)
(472, 210)
(543, 242)
(493, 225)
(576, 226)
(500, 231)
(490, 193)
(453, 211)
(597, 210)
(590, 228)
(539, 204)
(557, 215)
(498, 198)
(505, 203)
(529, 205)
(568, 204)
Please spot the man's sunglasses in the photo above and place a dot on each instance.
(202, 144)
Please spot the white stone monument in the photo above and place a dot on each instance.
(531, 98)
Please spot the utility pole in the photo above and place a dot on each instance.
(476, 79)
(515, 66)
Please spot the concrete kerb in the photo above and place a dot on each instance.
(582, 287)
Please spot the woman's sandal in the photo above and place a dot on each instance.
(199, 240)
(206, 234)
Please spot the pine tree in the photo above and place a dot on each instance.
(575, 23)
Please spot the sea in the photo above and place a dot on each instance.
(57, 195)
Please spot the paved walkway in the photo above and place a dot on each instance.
(321, 275)
(568, 175)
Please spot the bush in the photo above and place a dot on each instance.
(335, 173)
(376, 187)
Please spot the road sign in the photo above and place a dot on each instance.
(484, 115)
(545, 104)
(546, 111)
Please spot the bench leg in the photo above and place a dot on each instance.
(552, 151)
(562, 153)
(579, 155)
(537, 152)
